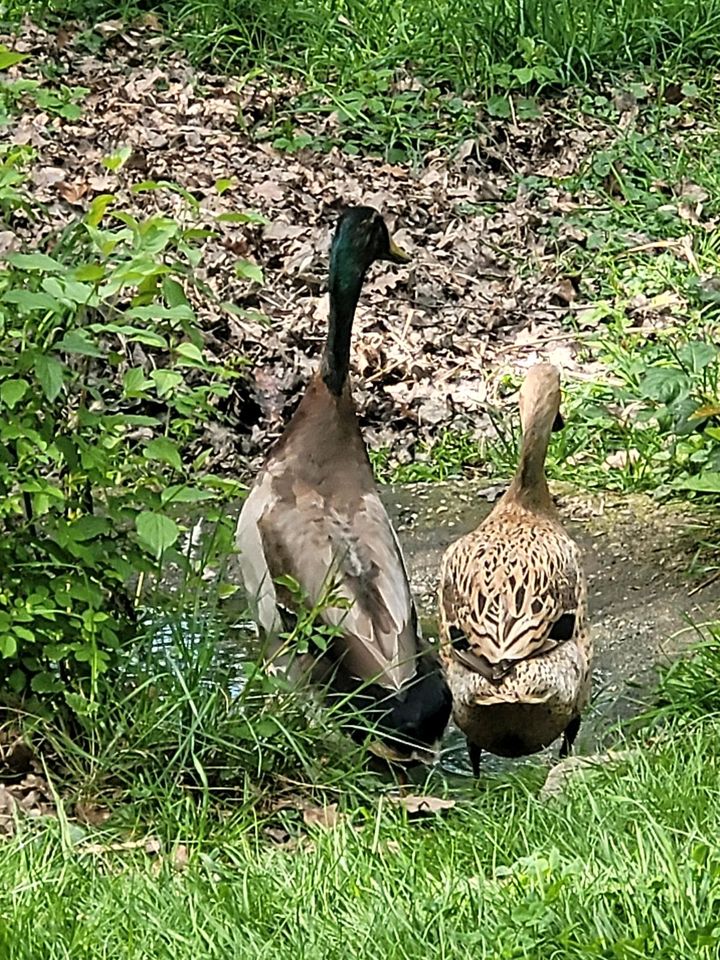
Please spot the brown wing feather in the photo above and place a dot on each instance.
(307, 536)
(508, 584)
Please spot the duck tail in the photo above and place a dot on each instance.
(404, 720)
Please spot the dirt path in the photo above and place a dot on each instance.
(644, 598)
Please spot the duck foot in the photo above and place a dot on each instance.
(474, 753)
(571, 732)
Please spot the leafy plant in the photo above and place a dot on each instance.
(682, 396)
(105, 386)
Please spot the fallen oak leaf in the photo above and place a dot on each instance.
(91, 814)
(564, 292)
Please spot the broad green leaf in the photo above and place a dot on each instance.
(188, 351)
(174, 293)
(166, 381)
(98, 208)
(40, 504)
(88, 592)
(50, 373)
(265, 727)
(698, 354)
(45, 683)
(80, 704)
(664, 383)
(225, 183)
(156, 531)
(146, 185)
(89, 272)
(524, 75)
(704, 483)
(163, 449)
(180, 493)
(8, 58)
(31, 300)
(17, 680)
(13, 390)
(499, 106)
(156, 311)
(87, 528)
(131, 333)
(35, 261)
(249, 271)
(135, 383)
(226, 590)
(74, 291)
(76, 341)
(8, 645)
(527, 108)
(128, 219)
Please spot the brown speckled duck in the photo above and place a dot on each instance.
(515, 644)
(314, 515)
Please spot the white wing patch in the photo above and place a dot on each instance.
(259, 586)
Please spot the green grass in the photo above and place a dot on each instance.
(456, 42)
(188, 731)
(402, 78)
(625, 864)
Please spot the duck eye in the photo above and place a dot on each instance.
(564, 628)
(458, 638)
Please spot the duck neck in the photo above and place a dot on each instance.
(529, 486)
(345, 284)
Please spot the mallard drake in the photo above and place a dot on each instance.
(314, 515)
(515, 645)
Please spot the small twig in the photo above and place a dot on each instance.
(705, 583)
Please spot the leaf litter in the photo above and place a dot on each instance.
(484, 292)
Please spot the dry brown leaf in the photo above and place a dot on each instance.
(622, 458)
(180, 857)
(571, 767)
(73, 192)
(108, 28)
(92, 814)
(420, 805)
(47, 176)
(564, 292)
(327, 816)
(444, 320)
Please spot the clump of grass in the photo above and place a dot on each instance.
(689, 689)
(448, 458)
(456, 43)
(191, 727)
(623, 864)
